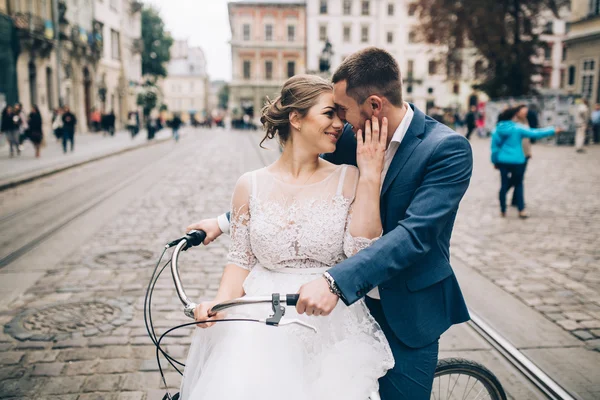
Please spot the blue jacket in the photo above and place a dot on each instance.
(507, 139)
(410, 263)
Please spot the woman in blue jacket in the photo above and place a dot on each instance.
(508, 155)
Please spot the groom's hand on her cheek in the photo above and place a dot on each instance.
(316, 298)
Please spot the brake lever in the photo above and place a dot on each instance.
(290, 322)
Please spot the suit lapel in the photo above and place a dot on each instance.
(410, 141)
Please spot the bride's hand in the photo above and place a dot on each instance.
(370, 148)
(201, 313)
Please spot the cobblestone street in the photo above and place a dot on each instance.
(549, 262)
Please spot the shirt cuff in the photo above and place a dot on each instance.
(223, 223)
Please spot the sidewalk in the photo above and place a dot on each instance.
(88, 147)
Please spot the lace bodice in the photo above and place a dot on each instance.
(279, 225)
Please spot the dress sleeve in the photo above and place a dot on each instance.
(353, 244)
(240, 250)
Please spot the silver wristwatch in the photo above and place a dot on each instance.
(333, 287)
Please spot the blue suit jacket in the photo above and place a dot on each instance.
(410, 264)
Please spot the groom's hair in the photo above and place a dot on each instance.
(371, 71)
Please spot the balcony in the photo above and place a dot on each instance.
(34, 32)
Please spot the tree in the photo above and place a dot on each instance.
(147, 97)
(502, 31)
(157, 43)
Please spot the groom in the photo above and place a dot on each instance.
(406, 276)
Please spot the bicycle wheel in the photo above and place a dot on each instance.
(457, 378)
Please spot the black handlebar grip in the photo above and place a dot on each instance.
(292, 299)
(194, 238)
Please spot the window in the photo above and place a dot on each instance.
(365, 8)
(564, 53)
(391, 9)
(412, 37)
(291, 33)
(587, 86)
(548, 52)
(347, 7)
(323, 33)
(390, 37)
(291, 68)
(323, 7)
(432, 67)
(364, 34)
(268, 32)
(246, 30)
(412, 9)
(269, 70)
(571, 75)
(347, 34)
(588, 75)
(114, 45)
(410, 68)
(247, 69)
(548, 28)
(594, 7)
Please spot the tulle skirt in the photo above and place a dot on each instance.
(248, 360)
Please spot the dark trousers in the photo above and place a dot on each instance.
(512, 176)
(68, 136)
(596, 131)
(412, 375)
(470, 129)
(514, 198)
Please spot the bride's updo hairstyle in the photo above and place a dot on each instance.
(299, 93)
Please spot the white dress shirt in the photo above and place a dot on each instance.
(389, 156)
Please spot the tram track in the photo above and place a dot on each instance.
(27, 227)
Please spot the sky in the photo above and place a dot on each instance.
(204, 23)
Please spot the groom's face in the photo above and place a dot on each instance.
(348, 109)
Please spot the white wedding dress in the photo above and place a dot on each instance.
(288, 235)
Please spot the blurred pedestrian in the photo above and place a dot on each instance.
(133, 123)
(596, 123)
(471, 121)
(522, 116)
(11, 129)
(109, 122)
(36, 134)
(21, 121)
(508, 156)
(582, 119)
(96, 118)
(175, 125)
(57, 124)
(68, 131)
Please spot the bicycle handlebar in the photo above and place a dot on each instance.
(194, 238)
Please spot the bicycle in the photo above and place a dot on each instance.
(450, 374)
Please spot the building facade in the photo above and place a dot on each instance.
(119, 70)
(350, 25)
(41, 78)
(583, 50)
(268, 45)
(186, 88)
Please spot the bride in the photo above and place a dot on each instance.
(290, 222)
